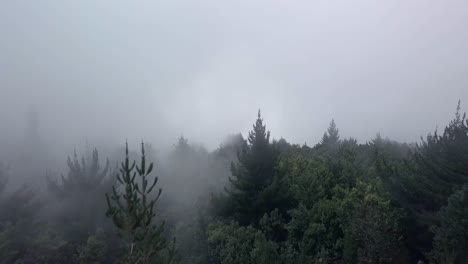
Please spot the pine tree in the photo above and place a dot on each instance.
(182, 146)
(82, 177)
(132, 209)
(251, 175)
(450, 244)
(436, 167)
(442, 160)
(331, 137)
(75, 197)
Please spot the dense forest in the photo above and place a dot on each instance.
(252, 200)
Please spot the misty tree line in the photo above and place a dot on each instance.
(253, 200)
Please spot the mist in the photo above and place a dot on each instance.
(187, 78)
(109, 70)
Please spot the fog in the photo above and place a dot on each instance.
(106, 71)
(78, 79)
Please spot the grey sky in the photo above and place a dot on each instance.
(108, 70)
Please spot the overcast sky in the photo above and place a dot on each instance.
(108, 70)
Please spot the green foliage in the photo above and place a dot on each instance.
(231, 243)
(251, 176)
(450, 244)
(374, 230)
(234, 244)
(132, 211)
(441, 163)
(94, 251)
(8, 250)
(309, 179)
(338, 202)
(264, 251)
(273, 225)
(422, 182)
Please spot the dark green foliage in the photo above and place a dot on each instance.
(94, 251)
(374, 229)
(132, 210)
(441, 163)
(234, 244)
(450, 244)
(253, 173)
(337, 209)
(422, 182)
(338, 202)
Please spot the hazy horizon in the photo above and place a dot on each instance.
(104, 71)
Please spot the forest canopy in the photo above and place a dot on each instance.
(252, 200)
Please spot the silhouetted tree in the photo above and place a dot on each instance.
(75, 198)
(442, 163)
(254, 171)
(331, 137)
(133, 212)
(82, 177)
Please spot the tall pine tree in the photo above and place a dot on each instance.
(132, 208)
(253, 172)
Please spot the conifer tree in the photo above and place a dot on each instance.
(82, 177)
(75, 197)
(132, 209)
(251, 175)
(182, 145)
(331, 137)
(450, 244)
(442, 161)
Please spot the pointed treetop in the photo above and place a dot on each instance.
(126, 147)
(142, 148)
(183, 140)
(459, 119)
(182, 144)
(259, 134)
(331, 136)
